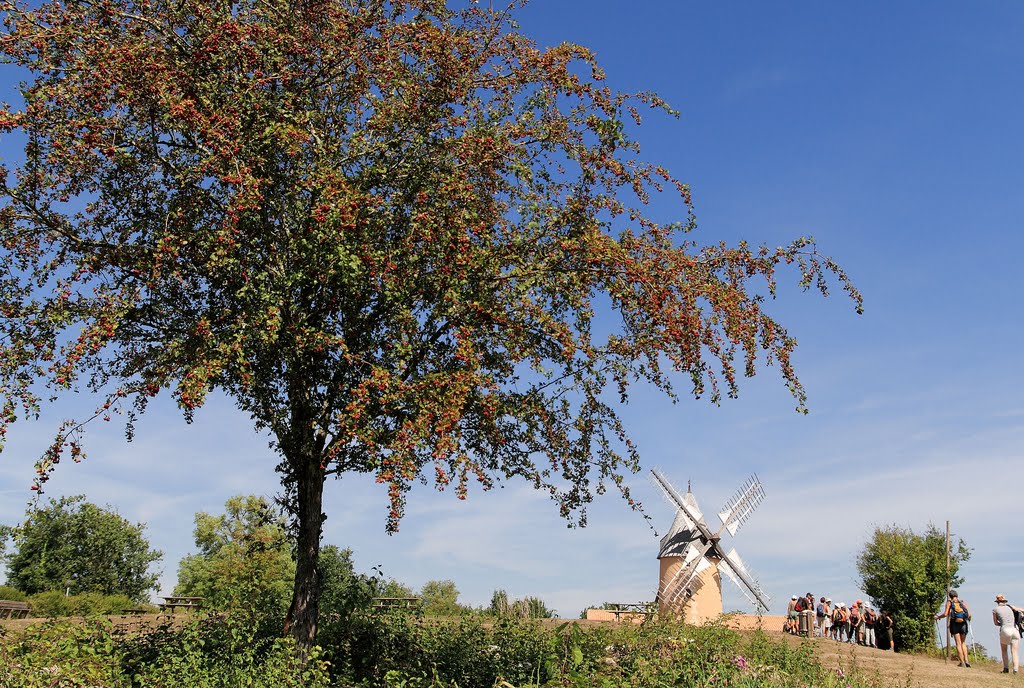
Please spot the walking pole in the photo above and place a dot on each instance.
(974, 642)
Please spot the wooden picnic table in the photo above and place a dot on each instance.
(617, 609)
(172, 602)
(396, 602)
(9, 609)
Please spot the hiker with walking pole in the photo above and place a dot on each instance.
(959, 617)
(1006, 616)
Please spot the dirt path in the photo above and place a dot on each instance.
(925, 672)
(906, 671)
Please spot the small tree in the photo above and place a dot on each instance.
(440, 598)
(904, 573)
(394, 588)
(244, 561)
(525, 608)
(344, 590)
(73, 544)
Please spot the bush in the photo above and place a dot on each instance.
(62, 653)
(55, 604)
(12, 594)
(209, 653)
(50, 604)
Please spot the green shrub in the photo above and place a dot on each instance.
(50, 604)
(12, 594)
(90, 603)
(61, 653)
(55, 604)
(244, 661)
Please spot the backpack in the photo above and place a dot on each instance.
(869, 618)
(837, 615)
(821, 609)
(958, 612)
(1018, 621)
(854, 616)
(801, 604)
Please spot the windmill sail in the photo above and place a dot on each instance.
(738, 509)
(686, 506)
(733, 567)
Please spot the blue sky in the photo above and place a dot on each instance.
(891, 132)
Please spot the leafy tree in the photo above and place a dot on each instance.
(344, 590)
(394, 588)
(440, 598)
(905, 573)
(72, 543)
(385, 228)
(244, 561)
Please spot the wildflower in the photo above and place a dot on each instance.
(740, 661)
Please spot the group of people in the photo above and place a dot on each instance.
(856, 623)
(1004, 615)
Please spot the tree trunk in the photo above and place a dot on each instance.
(304, 613)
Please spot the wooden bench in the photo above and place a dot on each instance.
(10, 609)
(136, 611)
(173, 602)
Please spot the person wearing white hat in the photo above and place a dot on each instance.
(1009, 635)
(791, 615)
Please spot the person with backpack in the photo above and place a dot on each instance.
(853, 634)
(959, 616)
(869, 626)
(1009, 619)
(837, 620)
(841, 622)
(824, 615)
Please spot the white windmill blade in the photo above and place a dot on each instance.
(687, 504)
(686, 580)
(738, 509)
(693, 559)
(682, 593)
(732, 565)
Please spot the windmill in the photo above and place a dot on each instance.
(692, 557)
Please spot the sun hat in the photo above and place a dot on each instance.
(793, 597)
(1000, 598)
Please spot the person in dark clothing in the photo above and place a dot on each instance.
(886, 628)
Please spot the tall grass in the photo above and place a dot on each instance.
(401, 651)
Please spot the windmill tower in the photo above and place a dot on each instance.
(692, 559)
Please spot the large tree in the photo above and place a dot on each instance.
(401, 237)
(904, 573)
(73, 544)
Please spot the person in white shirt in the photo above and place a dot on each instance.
(1009, 636)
